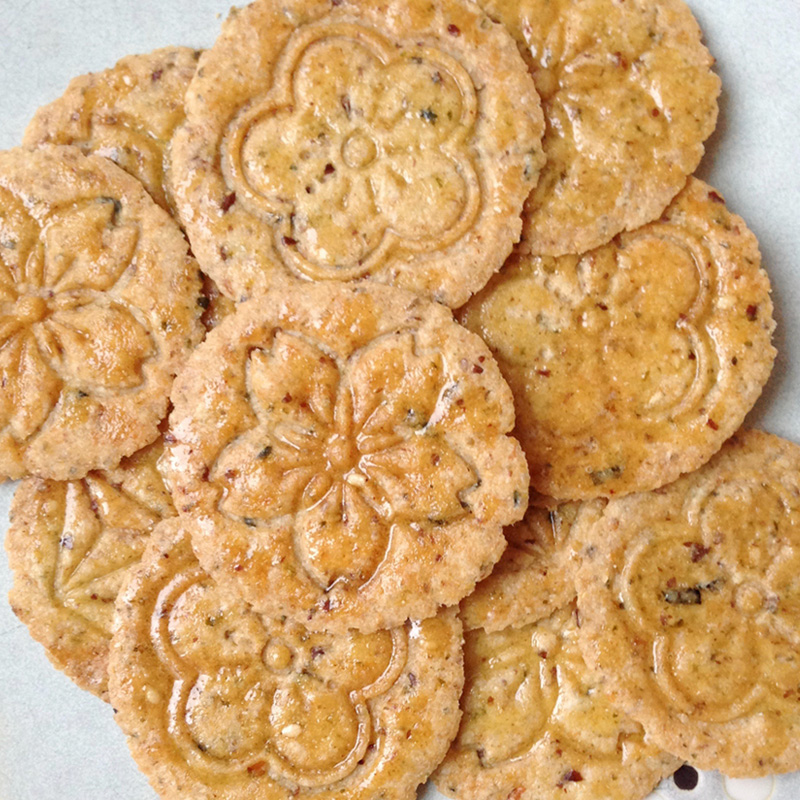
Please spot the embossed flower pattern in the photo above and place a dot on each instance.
(346, 450)
(614, 323)
(358, 147)
(58, 313)
(263, 696)
(725, 561)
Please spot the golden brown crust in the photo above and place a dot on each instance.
(127, 114)
(344, 450)
(391, 141)
(69, 545)
(689, 607)
(632, 363)
(536, 573)
(537, 725)
(98, 296)
(629, 98)
(219, 703)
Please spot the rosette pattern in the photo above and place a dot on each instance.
(345, 451)
(359, 147)
(727, 596)
(267, 697)
(61, 327)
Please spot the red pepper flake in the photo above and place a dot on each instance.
(545, 373)
(435, 459)
(516, 793)
(620, 60)
(227, 201)
(477, 370)
(655, 112)
(453, 30)
(257, 769)
(329, 169)
(717, 198)
(692, 356)
(664, 620)
(543, 654)
(156, 76)
(734, 361)
(752, 313)
(571, 776)
(602, 306)
(698, 551)
(713, 425)
(672, 583)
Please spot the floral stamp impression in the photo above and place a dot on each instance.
(627, 373)
(367, 151)
(232, 704)
(689, 603)
(99, 310)
(70, 545)
(351, 468)
(537, 726)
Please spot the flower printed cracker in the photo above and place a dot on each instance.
(223, 703)
(99, 310)
(689, 608)
(344, 454)
(358, 141)
(632, 363)
(127, 114)
(70, 545)
(537, 725)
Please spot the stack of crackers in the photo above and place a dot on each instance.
(374, 379)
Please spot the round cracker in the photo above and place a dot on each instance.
(127, 113)
(689, 607)
(535, 574)
(629, 98)
(632, 363)
(70, 544)
(537, 726)
(391, 141)
(344, 453)
(98, 297)
(221, 703)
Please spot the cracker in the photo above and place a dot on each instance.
(70, 544)
(392, 141)
(535, 574)
(690, 607)
(98, 297)
(344, 450)
(629, 98)
(221, 703)
(633, 363)
(537, 726)
(127, 113)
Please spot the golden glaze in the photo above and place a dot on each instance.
(98, 309)
(225, 704)
(70, 545)
(344, 452)
(690, 607)
(632, 363)
(629, 98)
(127, 114)
(536, 725)
(392, 142)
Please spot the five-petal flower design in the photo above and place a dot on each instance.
(263, 696)
(345, 450)
(358, 148)
(726, 594)
(60, 325)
